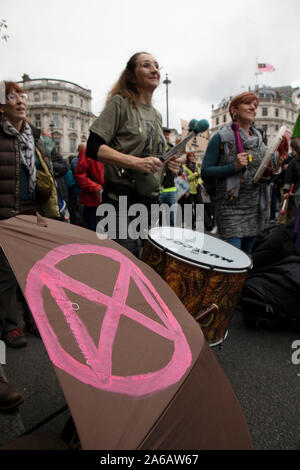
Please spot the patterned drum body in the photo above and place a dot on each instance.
(184, 265)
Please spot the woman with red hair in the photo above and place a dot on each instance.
(23, 160)
(22, 155)
(232, 158)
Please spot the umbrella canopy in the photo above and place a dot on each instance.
(133, 364)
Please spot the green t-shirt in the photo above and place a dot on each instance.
(131, 131)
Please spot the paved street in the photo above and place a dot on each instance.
(257, 363)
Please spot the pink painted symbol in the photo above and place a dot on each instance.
(98, 371)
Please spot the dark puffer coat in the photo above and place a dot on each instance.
(11, 202)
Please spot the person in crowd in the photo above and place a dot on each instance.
(74, 164)
(47, 142)
(73, 192)
(89, 175)
(277, 201)
(240, 205)
(193, 172)
(74, 161)
(60, 169)
(184, 197)
(292, 176)
(76, 209)
(26, 186)
(23, 159)
(168, 194)
(128, 138)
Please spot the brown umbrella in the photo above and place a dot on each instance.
(133, 364)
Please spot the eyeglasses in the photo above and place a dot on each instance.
(14, 97)
(148, 65)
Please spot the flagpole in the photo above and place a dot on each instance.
(256, 71)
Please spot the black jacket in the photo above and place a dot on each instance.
(293, 173)
(60, 168)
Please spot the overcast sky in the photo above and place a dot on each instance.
(208, 48)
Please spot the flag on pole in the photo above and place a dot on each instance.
(265, 68)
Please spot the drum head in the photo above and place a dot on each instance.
(200, 249)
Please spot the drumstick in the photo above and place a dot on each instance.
(195, 127)
(286, 200)
(202, 315)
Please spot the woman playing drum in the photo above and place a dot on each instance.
(233, 155)
(129, 128)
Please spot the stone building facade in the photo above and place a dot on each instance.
(277, 107)
(62, 107)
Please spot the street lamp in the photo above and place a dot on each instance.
(167, 82)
